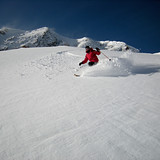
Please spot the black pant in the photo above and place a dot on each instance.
(92, 63)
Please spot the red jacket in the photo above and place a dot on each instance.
(91, 56)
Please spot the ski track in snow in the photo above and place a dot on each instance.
(110, 112)
(52, 65)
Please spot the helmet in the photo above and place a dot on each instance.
(87, 47)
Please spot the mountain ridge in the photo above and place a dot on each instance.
(46, 37)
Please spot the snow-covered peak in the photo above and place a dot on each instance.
(37, 32)
(157, 53)
(42, 37)
(46, 37)
(82, 42)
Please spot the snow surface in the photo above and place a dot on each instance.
(111, 112)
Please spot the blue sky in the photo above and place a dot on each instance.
(136, 22)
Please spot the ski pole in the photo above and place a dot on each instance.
(106, 56)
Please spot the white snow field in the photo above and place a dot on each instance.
(111, 112)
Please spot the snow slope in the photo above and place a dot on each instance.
(46, 37)
(110, 112)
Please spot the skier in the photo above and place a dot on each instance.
(91, 55)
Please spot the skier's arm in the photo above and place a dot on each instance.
(85, 60)
(98, 52)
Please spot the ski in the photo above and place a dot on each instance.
(77, 75)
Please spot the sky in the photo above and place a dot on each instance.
(135, 22)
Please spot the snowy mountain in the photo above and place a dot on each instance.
(45, 37)
(111, 112)
(157, 53)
